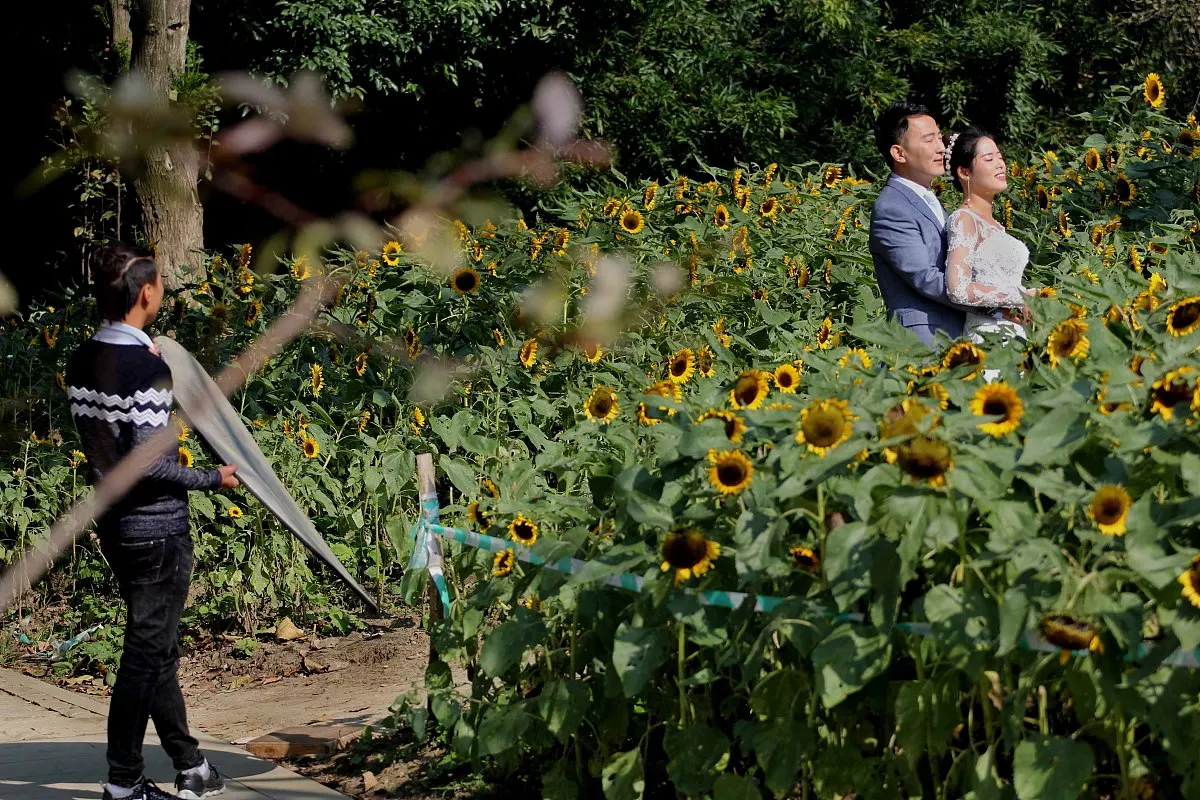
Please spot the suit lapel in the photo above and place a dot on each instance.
(916, 203)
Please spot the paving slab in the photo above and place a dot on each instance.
(52, 748)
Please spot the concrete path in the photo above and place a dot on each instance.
(52, 748)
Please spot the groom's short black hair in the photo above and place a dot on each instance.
(893, 124)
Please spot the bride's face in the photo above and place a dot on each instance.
(988, 173)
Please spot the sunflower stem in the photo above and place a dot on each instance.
(683, 704)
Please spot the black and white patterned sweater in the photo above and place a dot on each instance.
(120, 395)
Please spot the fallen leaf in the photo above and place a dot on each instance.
(287, 631)
(369, 781)
(272, 679)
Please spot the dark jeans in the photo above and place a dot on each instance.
(154, 575)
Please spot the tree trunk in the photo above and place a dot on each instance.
(122, 33)
(167, 178)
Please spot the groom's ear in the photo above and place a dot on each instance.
(897, 154)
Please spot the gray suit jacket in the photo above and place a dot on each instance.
(908, 246)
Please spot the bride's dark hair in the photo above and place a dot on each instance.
(960, 150)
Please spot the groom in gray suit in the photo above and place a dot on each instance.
(908, 240)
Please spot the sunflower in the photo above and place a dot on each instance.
(311, 448)
(832, 174)
(769, 208)
(528, 354)
(632, 221)
(729, 471)
(1190, 581)
(661, 389)
(611, 208)
(925, 459)
(648, 195)
(185, 457)
(523, 530)
(465, 281)
(1172, 389)
(1064, 224)
(1008, 215)
(803, 277)
(1108, 407)
(964, 353)
(787, 378)
(1110, 508)
(316, 379)
(903, 419)
(413, 342)
(363, 420)
(721, 217)
(735, 427)
(301, 269)
(391, 253)
(592, 351)
(689, 553)
(681, 366)
(602, 405)
(1067, 340)
(503, 563)
(1123, 189)
(1069, 633)
(935, 391)
(855, 353)
(825, 338)
(825, 424)
(1153, 90)
(252, 313)
(750, 389)
(1047, 291)
(1184, 317)
(1092, 160)
(998, 400)
(1096, 235)
(1043, 198)
(805, 559)
(742, 198)
(360, 364)
(705, 362)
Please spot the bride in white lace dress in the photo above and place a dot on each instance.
(984, 264)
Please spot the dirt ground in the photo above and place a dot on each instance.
(350, 680)
(237, 697)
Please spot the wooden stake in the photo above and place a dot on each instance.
(427, 487)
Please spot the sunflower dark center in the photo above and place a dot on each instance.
(784, 378)
(730, 473)
(996, 406)
(685, 550)
(1175, 392)
(730, 427)
(923, 458)
(679, 366)
(1066, 341)
(465, 281)
(824, 428)
(1109, 510)
(523, 531)
(601, 405)
(1186, 315)
(746, 391)
(1124, 188)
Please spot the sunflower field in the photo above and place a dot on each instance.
(693, 383)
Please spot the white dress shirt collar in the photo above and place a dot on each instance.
(925, 194)
(123, 333)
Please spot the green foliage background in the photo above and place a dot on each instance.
(628, 695)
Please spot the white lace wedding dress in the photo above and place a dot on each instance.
(984, 267)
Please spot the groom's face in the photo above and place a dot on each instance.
(920, 149)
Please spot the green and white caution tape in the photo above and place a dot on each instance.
(428, 554)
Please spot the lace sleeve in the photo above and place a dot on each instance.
(964, 235)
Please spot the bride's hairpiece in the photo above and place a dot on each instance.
(949, 152)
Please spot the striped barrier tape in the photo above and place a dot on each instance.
(429, 528)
